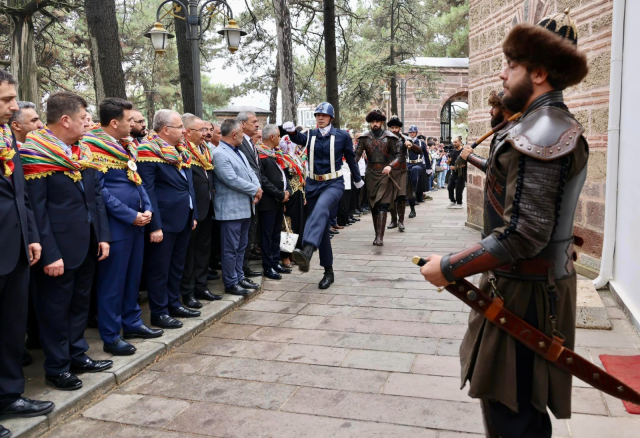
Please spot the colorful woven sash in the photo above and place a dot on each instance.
(155, 149)
(201, 159)
(283, 160)
(43, 154)
(113, 154)
(6, 151)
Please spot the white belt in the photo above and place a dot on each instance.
(414, 161)
(332, 157)
(326, 176)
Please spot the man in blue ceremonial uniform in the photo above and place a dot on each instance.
(416, 168)
(325, 147)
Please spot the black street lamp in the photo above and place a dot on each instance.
(232, 33)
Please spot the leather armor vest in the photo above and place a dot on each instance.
(379, 150)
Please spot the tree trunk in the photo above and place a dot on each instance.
(23, 57)
(150, 106)
(106, 52)
(273, 96)
(392, 61)
(185, 63)
(285, 60)
(331, 58)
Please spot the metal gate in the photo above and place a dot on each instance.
(445, 123)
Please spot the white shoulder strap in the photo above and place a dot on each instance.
(311, 147)
(332, 153)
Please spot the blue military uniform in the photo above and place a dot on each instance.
(325, 184)
(417, 169)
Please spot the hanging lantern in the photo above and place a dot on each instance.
(232, 33)
(159, 38)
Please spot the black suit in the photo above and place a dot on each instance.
(18, 230)
(271, 210)
(72, 219)
(194, 275)
(249, 151)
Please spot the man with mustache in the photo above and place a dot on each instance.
(534, 177)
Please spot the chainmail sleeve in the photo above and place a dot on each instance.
(533, 198)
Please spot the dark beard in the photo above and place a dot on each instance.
(497, 119)
(518, 95)
(377, 132)
(138, 134)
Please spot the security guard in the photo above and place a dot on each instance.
(416, 168)
(325, 147)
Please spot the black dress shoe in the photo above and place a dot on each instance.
(207, 295)
(119, 347)
(353, 218)
(144, 332)
(24, 407)
(332, 231)
(190, 301)
(183, 312)
(64, 381)
(250, 273)
(236, 289)
(282, 270)
(4, 432)
(272, 274)
(327, 280)
(26, 359)
(90, 366)
(248, 284)
(165, 322)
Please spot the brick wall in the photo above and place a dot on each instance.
(489, 22)
(426, 114)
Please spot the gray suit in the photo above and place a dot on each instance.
(254, 161)
(236, 185)
(252, 156)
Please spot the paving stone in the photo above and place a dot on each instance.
(84, 427)
(219, 390)
(182, 363)
(242, 348)
(230, 331)
(431, 387)
(430, 294)
(411, 411)
(397, 303)
(401, 328)
(303, 322)
(313, 354)
(273, 306)
(297, 374)
(587, 401)
(379, 360)
(356, 291)
(256, 318)
(272, 294)
(136, 409)
(436, 365)
(306, 297)
(595, 426)
(282, 286)
(203, 418)
(449, 347)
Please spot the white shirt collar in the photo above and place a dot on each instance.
(248, 138)
(325, 131)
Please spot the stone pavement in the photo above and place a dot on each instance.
(376, 355)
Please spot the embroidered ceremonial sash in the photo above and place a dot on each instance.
(203, 160)
(155, 149)
(113, 154)
(6, 151)
(283, 160)
(43, 154)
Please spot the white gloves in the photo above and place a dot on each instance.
(289, 127)
(359, 184)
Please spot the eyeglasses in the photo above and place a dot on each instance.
(175, 127)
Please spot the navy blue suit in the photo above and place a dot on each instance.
(119, 274)
(417, 170)
(18, 230)
(71, 219)
(174, 208)
(324, 196)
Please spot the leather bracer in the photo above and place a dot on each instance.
(478, 161)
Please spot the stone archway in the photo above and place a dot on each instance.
(446, 114)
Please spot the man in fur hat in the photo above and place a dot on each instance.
(382, 151)
(400, 175)
(534, 177)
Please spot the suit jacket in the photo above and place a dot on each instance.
(203, 187)
(123, 200)
(272, 185)
(169, 193)
(250, 152)
(18, 223)
(65, 211)
(235, 183)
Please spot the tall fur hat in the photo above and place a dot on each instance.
(376, 114)
(394, 121)
(551, 45)
(495, 99)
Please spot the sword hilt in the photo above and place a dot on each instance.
(417, 260)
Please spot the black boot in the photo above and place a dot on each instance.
(327, 278)
(382, 223)
(374, 216)
(413, 212)
(402, 205)
(394, 217)
(302, 257)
